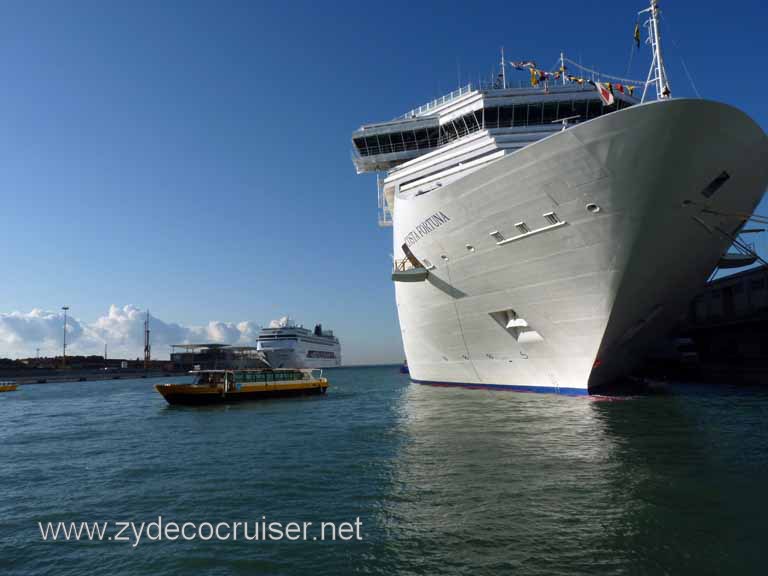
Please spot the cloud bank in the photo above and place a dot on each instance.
(122, 329)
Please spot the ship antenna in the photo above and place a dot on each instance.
(657, 74)
(503, 70)
(562, 67)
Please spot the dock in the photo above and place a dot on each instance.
(724, 337)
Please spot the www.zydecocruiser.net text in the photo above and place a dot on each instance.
(159, 530)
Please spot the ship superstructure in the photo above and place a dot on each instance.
(544, 236)
(288, 345)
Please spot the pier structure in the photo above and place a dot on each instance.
(216, 356)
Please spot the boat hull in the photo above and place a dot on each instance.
(189, 395)
(572, 306)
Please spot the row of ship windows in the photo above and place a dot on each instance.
(295, 339)
(321, 354)
(755, 285)
(520, 115)
(552, 221)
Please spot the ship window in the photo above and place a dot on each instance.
(534, 113)
(565, 110)
(580, 108)
(492, 117)
(551, 218)
(409, 140)
(361, 146)
(477, 118)
(433, 135)
(521, 115)
(422, 139)
(522, 227)
(372, 145)
(596, 108)
(550, 112)
(498, 236)
(469, 122)
(506, 116)
(715, 185)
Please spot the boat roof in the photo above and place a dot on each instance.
(222, 371)
(214, 346)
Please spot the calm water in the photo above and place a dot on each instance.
(445, 481)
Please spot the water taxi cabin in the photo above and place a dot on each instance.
(221, 386)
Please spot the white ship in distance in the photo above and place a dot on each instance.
(288, 345)
(545, 236)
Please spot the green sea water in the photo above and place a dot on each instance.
(440, 480)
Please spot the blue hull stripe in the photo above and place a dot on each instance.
(509, 387)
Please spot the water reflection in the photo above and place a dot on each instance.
(498, 481)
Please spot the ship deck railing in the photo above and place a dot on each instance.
(485, 86)
(401, 265)
(424, 108)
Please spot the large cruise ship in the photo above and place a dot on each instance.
(288, 345)
(545, 236)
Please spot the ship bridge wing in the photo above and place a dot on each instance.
(379, 147)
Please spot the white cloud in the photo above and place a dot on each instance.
(122, 329)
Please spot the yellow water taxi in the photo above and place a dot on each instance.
(7, 386)
(221, 386)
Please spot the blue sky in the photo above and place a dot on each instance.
(193, 157)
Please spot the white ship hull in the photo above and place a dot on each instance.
(590, 293)
(299, 354)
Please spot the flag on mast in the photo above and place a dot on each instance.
(637, 34)
(605, 93)
(524, 65)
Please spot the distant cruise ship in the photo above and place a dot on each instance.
(545, 236)
(287, 345)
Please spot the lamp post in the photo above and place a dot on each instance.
(64, 355)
